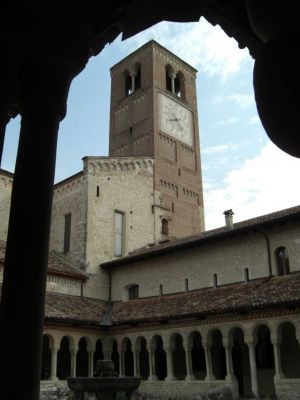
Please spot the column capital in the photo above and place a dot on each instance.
(207, 343)
(275, 337)
(55, 348)
(227, 343)
(249, 340)
(91, 349)
(169, 348)
(74, 348)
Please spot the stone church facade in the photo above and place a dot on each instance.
(134, 277)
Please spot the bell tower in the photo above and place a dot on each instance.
(154, 113)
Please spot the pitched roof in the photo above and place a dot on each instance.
(57, 265)
(258, 294)
(251, 225)
(68, 308)
(253, 295)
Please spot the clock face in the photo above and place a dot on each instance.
(175, 119)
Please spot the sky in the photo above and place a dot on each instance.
(241, 169)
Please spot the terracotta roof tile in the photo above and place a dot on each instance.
(57, 265)
(77, 309)
(250, 225)
(240, 297)
(259, 294)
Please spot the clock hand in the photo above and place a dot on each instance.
(174, 119)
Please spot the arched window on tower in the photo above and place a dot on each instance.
(169, 78)
(137, 76)
(133, 79)
(282, 260)
(179, 88)
(128, 83)
(164, 227)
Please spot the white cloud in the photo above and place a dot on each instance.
(241, 100)
(229, 121)
(261, 185)
(254, 120)
(218, 149)
(199, 43)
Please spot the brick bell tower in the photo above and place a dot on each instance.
(154, 113)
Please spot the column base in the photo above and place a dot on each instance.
(230, 378)
(152, 378)
(278, 377)
(210, 378)
(189, 378)
(170, 379)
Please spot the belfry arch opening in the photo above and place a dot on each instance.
(179, 89)
(169, 77)
(132, 79)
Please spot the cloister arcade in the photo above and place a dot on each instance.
(253, 356)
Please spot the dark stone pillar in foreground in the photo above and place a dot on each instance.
(3, 122)
(44, 80)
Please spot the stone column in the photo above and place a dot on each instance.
(54, 352)
(136, 361)
(132, 82)
(208, 363)
(152, 376)
(91, 361)
(188, 360)
(47, 69)
(228, 353)
(253, 369)
(170, 367)
(172, 76)
(4, 119)
(7, 94)
(74, 350)
(276, 340)
(122, 362)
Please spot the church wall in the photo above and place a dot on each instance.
(135, 131)
(70, 197)
(228, 259)
(64, 285)
(131, 117)
(116, 184)
(286, 236)
(6, 181)
(179, 164)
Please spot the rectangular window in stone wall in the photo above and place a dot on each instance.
(133, 292)
(119, 228)
(67, 234)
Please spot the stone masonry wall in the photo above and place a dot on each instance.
(116, 184)
(288, 389)
(179, 390)
(63, 285)
(70, 197)
(57, 390)
(158, 390)
(6, 181)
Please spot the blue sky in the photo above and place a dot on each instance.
(241, 168)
